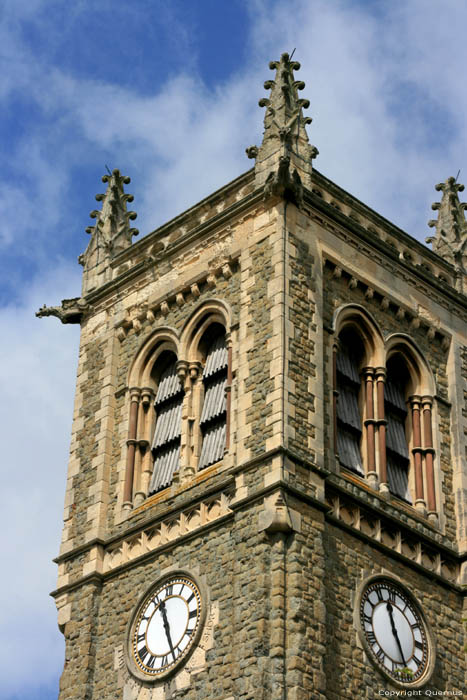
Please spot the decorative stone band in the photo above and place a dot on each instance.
(152, 309)
(404, 542)
(173, 528)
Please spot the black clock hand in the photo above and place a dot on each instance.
(166, 627)
(394, 631)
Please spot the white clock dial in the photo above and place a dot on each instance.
(394, 631)
(166, 625)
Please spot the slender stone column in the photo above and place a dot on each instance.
(368, 374)
(429, 451)
(420, 504)
(380, 376)
(228, 391)
(194, 390)
(143, 462)
(131, 443)
(335, 350)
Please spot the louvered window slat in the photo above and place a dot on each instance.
(395, 436)
(166, 440)
(347, 407)
(349, 422)
(397, 457)
(349, 451)
(346, 365)
(213, 415)
(398, 478)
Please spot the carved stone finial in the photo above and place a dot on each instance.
(450, 239)
(284, 127)
(111, 234)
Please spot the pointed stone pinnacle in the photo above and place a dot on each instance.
(285, 135)
(450, 239)
(111, 234)
(113, 219)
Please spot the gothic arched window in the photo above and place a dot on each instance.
(348, 384)
(213, 419)
(167, 433)
(395, 408)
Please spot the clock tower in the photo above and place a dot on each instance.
(266, 492)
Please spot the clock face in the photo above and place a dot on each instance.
(166, 625)
(395, 632)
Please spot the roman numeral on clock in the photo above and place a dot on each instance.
(140, 638)
(169, 590)
(150, 662)
(193, 613)
(371, 637)
(380, 655)
(142, 653)
(164, 661)
(419, 645)
(366, 618)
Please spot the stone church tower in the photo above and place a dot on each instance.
(266, 493)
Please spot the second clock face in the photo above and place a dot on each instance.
(166, 625)
(394, 631)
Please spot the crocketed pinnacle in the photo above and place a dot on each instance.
(284, 122)
(113, 220)
(450, 240)
(285, 135)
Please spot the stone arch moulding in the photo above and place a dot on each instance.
(163, 338)
(208, 312)
(357, 316)
(419, 368)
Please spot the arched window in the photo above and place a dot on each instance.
(396, 392)
(349, 359)
(167, 433)
(214, 414)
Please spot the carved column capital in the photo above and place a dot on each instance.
(427, 402)
(368, 373)
(182, 370)
(415, 401)
(135, 393)
(380, 374)
(194, 369)
(147, 396)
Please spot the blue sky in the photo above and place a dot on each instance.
(167, 92)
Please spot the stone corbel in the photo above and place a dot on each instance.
(122, 326)
(277, 516)
(384, 303)
(195, 290)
